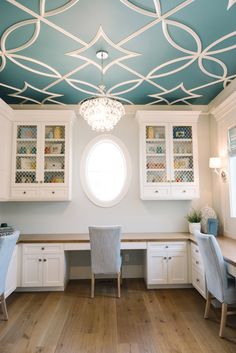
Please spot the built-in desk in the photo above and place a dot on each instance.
(157, 248)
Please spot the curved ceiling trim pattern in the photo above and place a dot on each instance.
(163, 52)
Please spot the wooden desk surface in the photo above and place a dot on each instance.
(227, 245)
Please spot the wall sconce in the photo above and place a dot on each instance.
(215, 163)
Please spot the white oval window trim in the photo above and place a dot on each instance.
(119, 147)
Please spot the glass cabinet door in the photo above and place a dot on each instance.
(183, 168)
(155, 157)
(26, 154)
(54, 154)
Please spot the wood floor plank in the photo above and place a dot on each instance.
(141, 321)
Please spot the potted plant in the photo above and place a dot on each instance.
(194, 220)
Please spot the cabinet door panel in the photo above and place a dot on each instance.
(157, 267)
(198, 281)
(53, 270)
(177, 267)
(32, 271)
(11, 280)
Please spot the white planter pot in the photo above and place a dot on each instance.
(193, 227)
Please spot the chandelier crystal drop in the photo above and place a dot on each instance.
(102, 113)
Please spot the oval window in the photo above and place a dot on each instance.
(105, 170)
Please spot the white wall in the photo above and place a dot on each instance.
(132, 213)
(221, 189)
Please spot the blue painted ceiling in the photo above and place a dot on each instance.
(160, 51)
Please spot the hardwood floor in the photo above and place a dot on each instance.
(141, 321)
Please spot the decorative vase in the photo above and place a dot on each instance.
(193, 227)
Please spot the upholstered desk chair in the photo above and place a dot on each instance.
(105, 253)
(7, 245)
(219, 285)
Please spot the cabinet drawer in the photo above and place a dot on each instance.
(24, 193)
(198, 281)
(42, 248)
(184, 192)
(167, 246)
(196, 258)
(155, 193)
(54, 193)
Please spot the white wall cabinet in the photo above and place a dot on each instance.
(198, 273)
(41, 160)
(43, 265)
(12, 273)
(6, 114)
(167, 263)
(168, 155)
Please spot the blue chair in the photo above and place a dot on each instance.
(7, 245)
(105, 253)
(219, 284)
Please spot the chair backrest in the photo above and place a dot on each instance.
(105, 249)
(7, 245)
(214, 264)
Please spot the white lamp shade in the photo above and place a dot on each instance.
(215, 162)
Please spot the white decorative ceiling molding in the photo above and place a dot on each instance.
(160, 52)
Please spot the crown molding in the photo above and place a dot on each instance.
(224, 107)
(6, 110)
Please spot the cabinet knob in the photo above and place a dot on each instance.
(196, 251)
(165, 258)
(41, 181)
(53, 192)
(170, 258)
(44, 260)
(24, 192)
(42, 248)
(184, 191)
(156, 191)
(166, 246)
(40, 260)
(197, 262)
(198, 280)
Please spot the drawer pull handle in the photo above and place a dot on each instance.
(40, 260)
(170, 258)
(165, 258)
(44, 260)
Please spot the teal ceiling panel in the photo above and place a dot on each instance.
(160, 51)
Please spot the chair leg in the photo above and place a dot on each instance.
(92, 285)
(4, 307)
(208, 304)
(223, 319)
(118, 285)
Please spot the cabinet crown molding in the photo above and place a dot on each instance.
(167, 116)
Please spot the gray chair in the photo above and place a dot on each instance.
(105, 253)
(219, 284)
(7, 245)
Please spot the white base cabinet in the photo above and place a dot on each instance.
(198, 273)
(11, 280)
(43, 265)
(166, 264)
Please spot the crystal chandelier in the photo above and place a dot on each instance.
(102, 113)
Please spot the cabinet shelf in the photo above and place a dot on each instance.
(54, 170)
(26, 154)
(155, 140)
(155, 154)
(155, 169)
(182, 140)
(54, 140)
(26, 140)
(26, 170)
(53, 155)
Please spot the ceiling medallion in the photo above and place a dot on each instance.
(102, 113)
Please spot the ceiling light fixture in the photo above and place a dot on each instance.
(102, 112)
